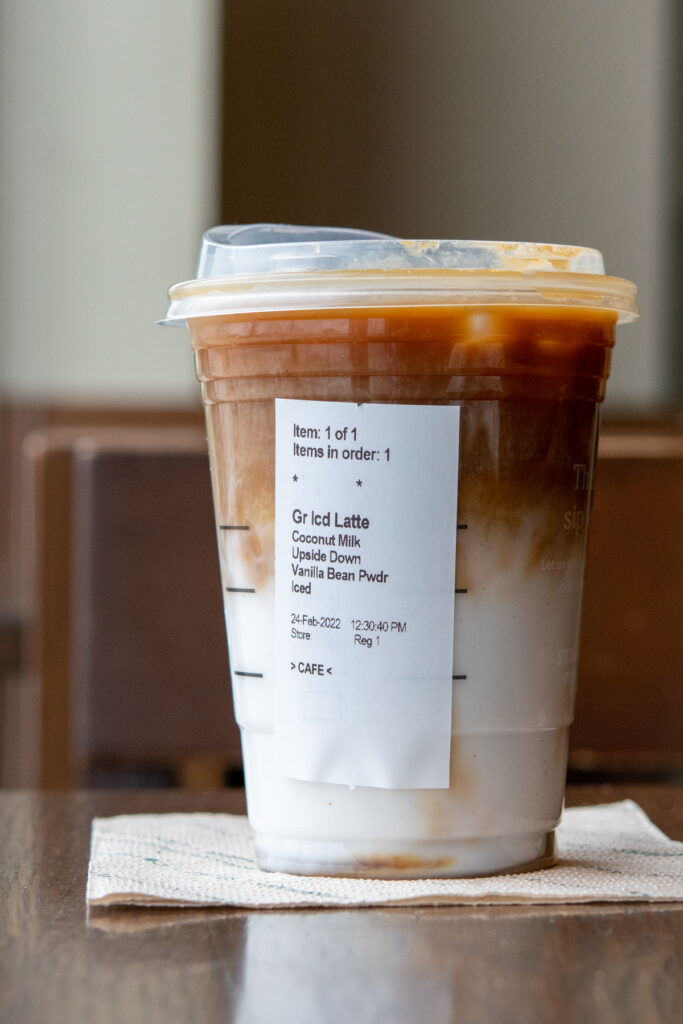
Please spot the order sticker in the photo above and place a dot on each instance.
(365, 537)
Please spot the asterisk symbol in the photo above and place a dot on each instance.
(359, 483)
(295, 478)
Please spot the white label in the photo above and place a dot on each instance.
(366, 523)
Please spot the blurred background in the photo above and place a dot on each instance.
(128, 128)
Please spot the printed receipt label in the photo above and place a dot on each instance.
(365, 535)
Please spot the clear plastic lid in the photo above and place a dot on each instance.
(261, 268)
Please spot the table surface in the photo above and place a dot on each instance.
(59, 962)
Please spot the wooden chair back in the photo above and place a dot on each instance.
(128, 638)
(122, 522)
(629, 710)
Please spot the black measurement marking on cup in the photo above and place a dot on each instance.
(462, 526)
(240, 590)
(461, 590)
(460, 677)
(226, 526)
(251, 675)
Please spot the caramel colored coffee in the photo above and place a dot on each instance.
(528, 381)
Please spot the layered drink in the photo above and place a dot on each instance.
(403, 646)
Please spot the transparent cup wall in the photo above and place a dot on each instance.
(528, 382)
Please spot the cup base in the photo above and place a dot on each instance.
(458, 858)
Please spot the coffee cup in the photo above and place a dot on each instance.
(402, 440)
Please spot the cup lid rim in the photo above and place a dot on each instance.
(250, 268)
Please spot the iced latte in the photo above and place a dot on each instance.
(402, 438)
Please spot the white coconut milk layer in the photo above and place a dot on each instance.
(515, 644)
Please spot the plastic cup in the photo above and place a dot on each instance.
(402, 438)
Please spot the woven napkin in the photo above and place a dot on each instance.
(608, 852)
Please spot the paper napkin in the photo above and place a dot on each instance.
(608, 852)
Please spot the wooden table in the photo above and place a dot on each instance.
(594, 963)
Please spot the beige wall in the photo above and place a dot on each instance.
(465, 118)
(523, 120)
(566, 138)
(110, 116)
